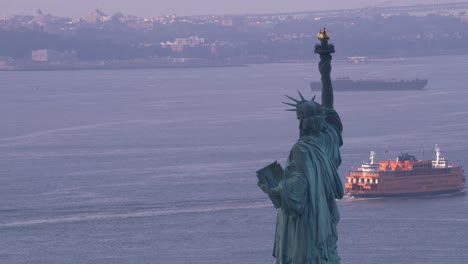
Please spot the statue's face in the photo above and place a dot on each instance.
(306, 113)
(303, 127)
(299, 115)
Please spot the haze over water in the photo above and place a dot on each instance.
(158, 166)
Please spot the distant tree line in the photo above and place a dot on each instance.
(401, 35)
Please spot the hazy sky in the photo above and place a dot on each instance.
(145, 8)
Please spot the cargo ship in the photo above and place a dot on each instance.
(405, 176)
(347, 84)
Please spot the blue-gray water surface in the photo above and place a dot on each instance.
(158, 166)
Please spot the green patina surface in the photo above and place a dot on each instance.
(309, 186)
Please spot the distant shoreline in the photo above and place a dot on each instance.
(144, 64)
(119, 65)
(176, 63)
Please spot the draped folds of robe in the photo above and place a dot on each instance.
(306, 224)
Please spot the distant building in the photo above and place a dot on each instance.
(48, 55)
(464, 17)
(227, 21)
(213, 50)
(215, 45)
(39, 16)
(5, 62)
(179, 43)
(97, 16)
(191, 41)
(233, 21)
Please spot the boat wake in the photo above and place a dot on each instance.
(458, 193)
(350, 198)
(140, 211)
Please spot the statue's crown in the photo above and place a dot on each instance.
(303, 107)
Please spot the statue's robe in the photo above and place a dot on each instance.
(306, 224)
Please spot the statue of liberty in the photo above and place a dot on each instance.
(307, 190)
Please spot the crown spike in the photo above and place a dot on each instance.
(313, 99)
(295, 110)
(292, 98)
(290, 104)
(302, 97)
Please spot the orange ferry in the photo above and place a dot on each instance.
(405, 176)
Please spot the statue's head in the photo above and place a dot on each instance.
(309, 114)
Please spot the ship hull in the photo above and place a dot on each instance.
(372, 85)
(412, 194)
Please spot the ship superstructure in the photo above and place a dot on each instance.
(405, 176)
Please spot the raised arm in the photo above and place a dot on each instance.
(325, 50)
(327, 89)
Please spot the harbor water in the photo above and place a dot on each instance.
(158, 165)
